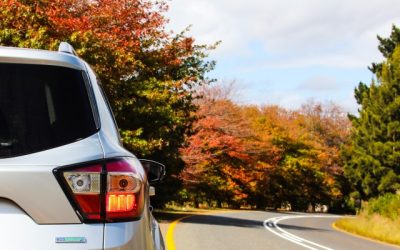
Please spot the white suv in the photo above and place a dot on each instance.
(66, 182)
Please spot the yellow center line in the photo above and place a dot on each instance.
(170, 233)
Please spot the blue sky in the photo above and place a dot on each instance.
(287, 52)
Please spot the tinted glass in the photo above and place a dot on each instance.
(42, 107)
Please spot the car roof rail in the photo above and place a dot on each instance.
(67, 48)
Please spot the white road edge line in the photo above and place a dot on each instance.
(291, 237)
(304, 240)
(286, 238)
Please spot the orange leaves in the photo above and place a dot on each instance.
(216, 150)
(68, 16)
(115, 24)
(281, 155)
(118, 24)
(125, 31)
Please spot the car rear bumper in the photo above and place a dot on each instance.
(19, 232)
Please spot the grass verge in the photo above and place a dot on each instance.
(374, 226)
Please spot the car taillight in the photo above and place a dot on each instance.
(109, 191)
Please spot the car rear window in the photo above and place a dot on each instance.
(42, 107)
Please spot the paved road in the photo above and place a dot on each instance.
(265, 230)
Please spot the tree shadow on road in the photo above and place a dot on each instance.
(225, 220)
(168, 217)
(210, 219)
(301, 228)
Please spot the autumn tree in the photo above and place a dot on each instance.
(372, 157)
(148, 73)
(264, 156)
(216, 169)
(302, 154)
(328, 127)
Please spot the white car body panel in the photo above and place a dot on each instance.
(18, 231)
(26, 180)
(34, 209)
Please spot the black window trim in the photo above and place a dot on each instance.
(92, 100)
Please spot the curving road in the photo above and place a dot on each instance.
(263, 230)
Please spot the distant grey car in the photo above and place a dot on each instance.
(66, 182)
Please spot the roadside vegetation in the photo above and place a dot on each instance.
(371, 158)
(259, 157)
(378, 219)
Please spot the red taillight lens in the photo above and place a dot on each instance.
(124, 196)
(105, 192)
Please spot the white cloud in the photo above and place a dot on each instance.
(278, 48)
(312, 31)
(319, 83)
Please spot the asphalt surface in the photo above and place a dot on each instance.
(265, 230)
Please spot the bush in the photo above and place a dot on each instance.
(387, 206)
(379, 218)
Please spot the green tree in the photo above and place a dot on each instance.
(386, 47)
(372, 158)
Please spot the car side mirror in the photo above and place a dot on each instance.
(155, 170)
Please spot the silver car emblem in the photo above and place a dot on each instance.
(71, 240)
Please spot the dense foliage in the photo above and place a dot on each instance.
(373, 156)
(264, 157)
(387, 205)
